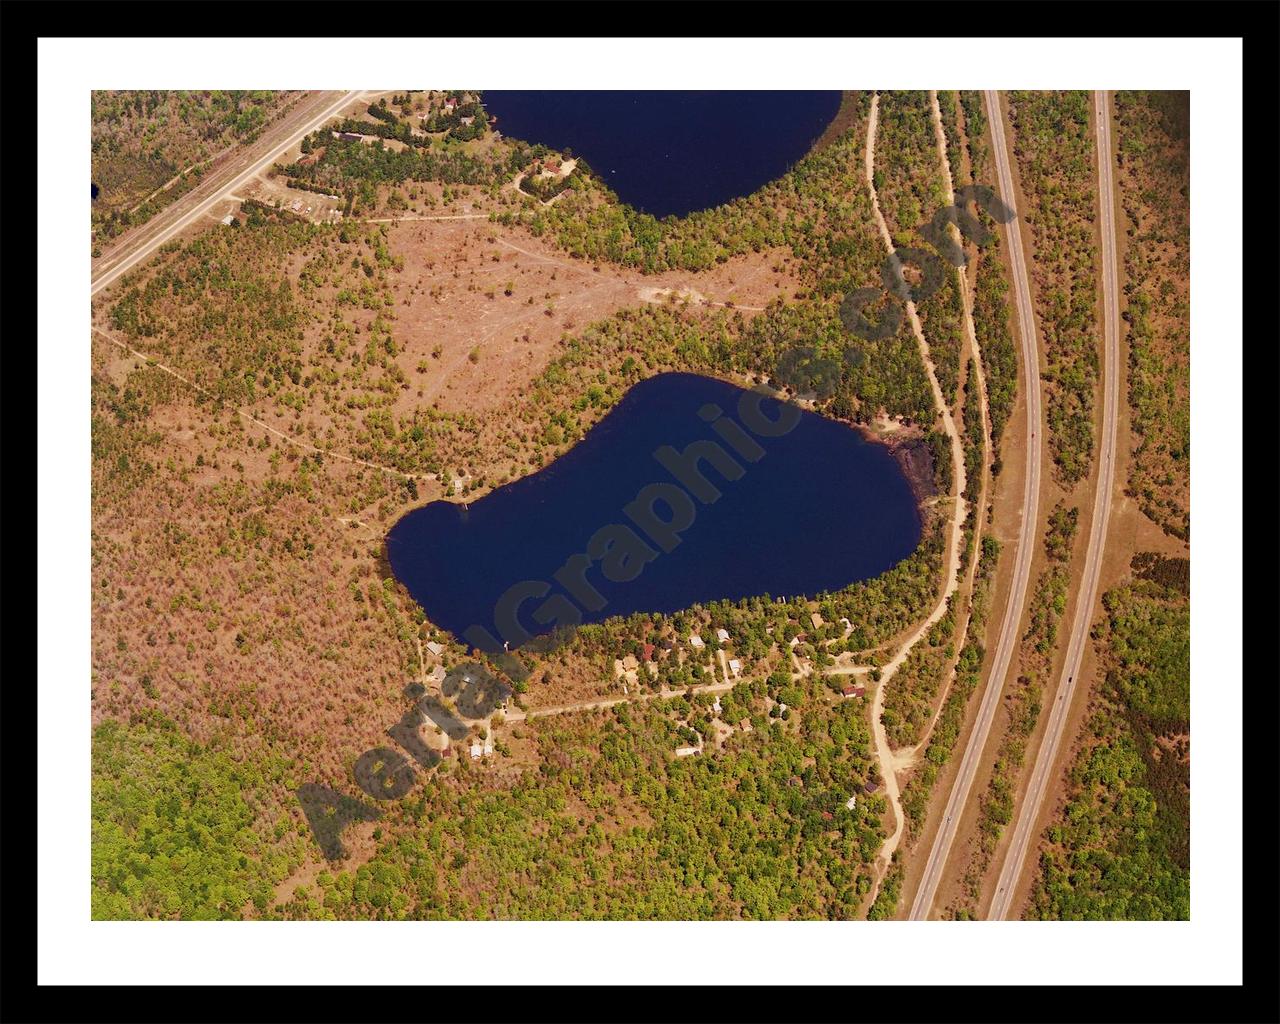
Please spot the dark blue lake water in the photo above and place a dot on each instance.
(813, 508)
(672, 152)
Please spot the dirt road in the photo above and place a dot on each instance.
(1008, 640)
(136, 245)
(1024, 827)
(611, 702)
(951, 571)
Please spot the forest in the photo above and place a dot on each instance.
(1154, 179)
(1054, 145)
(151, 146)
(1120, 849)
(609, 826)
(1022, 703)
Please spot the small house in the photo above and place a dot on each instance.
(647, 651)
(851, 803)
(872, 786)
(735, 666)
(434, 648)
(687, 751)
(477, 751)
(816, 619)
(849, 690)
(696, 643)
(722, 635)
(437, 675)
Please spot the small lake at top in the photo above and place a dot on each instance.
(812, 508)
(672, 152)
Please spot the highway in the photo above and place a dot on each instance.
(1009, 632)
(136, 245)
(1024, 829)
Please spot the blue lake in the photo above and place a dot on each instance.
(672, 152)
(634, 519)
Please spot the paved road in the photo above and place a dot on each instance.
(136, 245)
(1024, 829)
(1009, 635)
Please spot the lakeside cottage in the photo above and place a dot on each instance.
(722, 635)
(434, 648)
(696, 643)
(735, 666)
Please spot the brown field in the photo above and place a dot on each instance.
(452, 294)
(262, 637)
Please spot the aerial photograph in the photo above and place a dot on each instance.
(614, 505)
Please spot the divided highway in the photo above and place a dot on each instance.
(134, 246)
(1009, 633)
(1024, 829)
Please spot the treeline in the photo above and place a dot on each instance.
(1153, 180)
(968, 673)
(1121, 848)
(990, 288)
(174, 829)
(1023, 700)
(908, 702)
(1055, 151)
(999, 354)
(142, 139)
(610, 827)
(973, 106)
(911, 188)
(346, 162)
